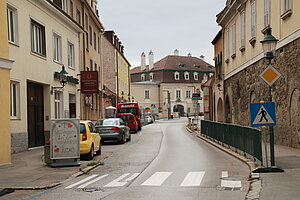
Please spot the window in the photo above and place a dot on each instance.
(78, 17)
(14, 99)
(227, 49)
(62, 4)
(58, 101)
(12, 24)
(147, 94)
(188, 94)
(243, 27)
(57, 48)
(266, 13)
(95, 41)
(151, 76)
(91, 36)
(87, 40)
(71, 55)
(71, 9)
(233, 38)
(38, 43)
(176, 75)
(205, 78)
(142, 77)
(196, 77)
(91, 64)
(253, 19)
(287, 5)
(95, 67)
(178, 94)
(186, 75)
(86, 22)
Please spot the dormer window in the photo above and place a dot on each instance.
(205, 78)
(176, 75)
(151, 76)
(196, 76)
(142, 77)
(186, 75)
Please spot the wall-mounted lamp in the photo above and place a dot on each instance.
(62, 79)
(219, 86)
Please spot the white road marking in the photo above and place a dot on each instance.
(231, 184)
(93, 181)
(157, 179)
(132, 177)
(192, 179)
(116, 182)
(224, 174)
(82, 181)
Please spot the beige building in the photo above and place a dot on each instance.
(42, 39)
(5, 67)
(244, 24)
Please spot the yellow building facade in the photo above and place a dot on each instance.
(5, 67)
(123, 78)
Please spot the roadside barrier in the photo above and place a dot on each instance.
(243, 138)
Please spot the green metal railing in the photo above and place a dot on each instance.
(241, 138)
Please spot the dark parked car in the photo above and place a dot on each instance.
(114, 129)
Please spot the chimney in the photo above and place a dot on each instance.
(176, 52)
(189, 55)
(151, 59)
(143, 61)
(202, 57)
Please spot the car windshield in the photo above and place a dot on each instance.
(126, 117)
(98, 122)
(128, 110)
(110, 122)
(82, 128)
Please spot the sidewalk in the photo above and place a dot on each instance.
(28, 171)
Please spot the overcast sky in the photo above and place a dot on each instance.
(162, 26)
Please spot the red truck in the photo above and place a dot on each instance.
(132, 108)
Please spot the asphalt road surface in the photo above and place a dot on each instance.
(162, 162)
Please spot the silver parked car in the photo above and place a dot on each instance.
(114, 129)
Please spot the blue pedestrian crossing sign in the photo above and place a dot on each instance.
(263, 114)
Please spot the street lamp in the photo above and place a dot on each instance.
(62, 79)
(269, 44)
(269, 47)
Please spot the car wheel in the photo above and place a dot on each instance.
(90, 155)
(129, 138)
(99, 151)
(123, 139)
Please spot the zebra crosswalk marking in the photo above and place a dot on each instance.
(192, 179)
(132, 177)
(82, 181)
(116, 182)
(157, 179)
(224, 174)
(93, 181)
(229, 183)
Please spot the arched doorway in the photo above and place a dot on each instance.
(179, 108)
(220, 114)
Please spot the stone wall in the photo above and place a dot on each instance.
(246, 87)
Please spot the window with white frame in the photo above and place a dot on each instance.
(176, 76)
(233, 38)
(178, 94)
(62, 4)
(151, 76)
(98, 44)
(91, 36)
(287, 5)
(58, 104)
(186, 75)
(38, 41)
(188, 94)
(147, 94)
(142, 77)
(71, 9)
(71, 55)
(57, 48)
(14, 99)
(12, 24)
(253, 19)
(266, 13)
(95, 41)
(227, 48)
(78, 18)
(196, 77)
(243, 29)
(205, 78)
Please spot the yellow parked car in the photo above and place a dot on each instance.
(90, 140)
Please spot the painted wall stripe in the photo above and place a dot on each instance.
(192, 179)
(93, 181)
(157, 179)
(82, 181)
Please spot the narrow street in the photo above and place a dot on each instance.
(163, 161)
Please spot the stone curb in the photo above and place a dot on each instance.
(254, 178)
(52, 185)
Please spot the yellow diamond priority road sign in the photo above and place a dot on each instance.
(270, 75)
